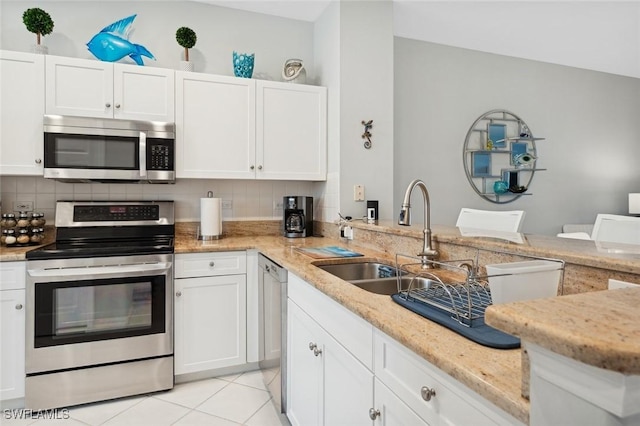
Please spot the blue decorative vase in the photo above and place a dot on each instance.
(243, 64)
(500, 187)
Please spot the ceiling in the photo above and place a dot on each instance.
(601, 35)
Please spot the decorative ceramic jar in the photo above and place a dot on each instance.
(243, 64)
(500, 187)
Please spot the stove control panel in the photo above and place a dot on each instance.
(115, 213)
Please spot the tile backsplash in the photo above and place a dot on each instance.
(242, 199)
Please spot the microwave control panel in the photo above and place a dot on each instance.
(160, 154)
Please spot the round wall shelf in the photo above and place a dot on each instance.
(500, 156)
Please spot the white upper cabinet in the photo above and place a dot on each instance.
(215, 126)
(21, 111)
(291, 137)
(88, 88)
(237, 128)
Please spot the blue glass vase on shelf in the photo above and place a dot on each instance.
(243, 64)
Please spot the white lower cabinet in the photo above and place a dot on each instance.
(343, 371)
(326, 384)
(391, 411)
(12, 330)
(210, 311)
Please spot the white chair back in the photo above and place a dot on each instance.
(616, 229)
(505, 221)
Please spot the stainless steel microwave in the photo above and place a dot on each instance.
(83, 149)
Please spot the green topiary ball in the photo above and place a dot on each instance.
(37, 21)
(186, 37)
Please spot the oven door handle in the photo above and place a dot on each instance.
(120, 270)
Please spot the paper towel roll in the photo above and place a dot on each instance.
(210, 218)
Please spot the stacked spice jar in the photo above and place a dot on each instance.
(26, 229)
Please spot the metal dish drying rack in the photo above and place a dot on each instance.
(460, 304)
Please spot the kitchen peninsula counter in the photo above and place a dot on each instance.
(494, 374)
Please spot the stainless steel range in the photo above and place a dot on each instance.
(100, 305)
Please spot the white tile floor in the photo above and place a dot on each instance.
(240, 399)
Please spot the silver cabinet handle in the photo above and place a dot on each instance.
(252, 167)
(178, 293)
(260, 167)
(117, 105)
(317, 351)
(108, 105)
(312, 346)
(427, 393)
(373, 413)
(212, 264)
(19, 306)
(38, 161)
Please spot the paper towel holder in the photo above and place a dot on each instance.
(212, 236)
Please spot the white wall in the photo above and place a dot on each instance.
(326, 39)
(589, 119)
(366, 93)
(220, 31)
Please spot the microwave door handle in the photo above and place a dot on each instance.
(143, 154)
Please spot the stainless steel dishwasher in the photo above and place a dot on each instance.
(272, 284)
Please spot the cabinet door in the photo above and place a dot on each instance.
(391, 411)
(291, 136)
(210, 323)
(304, 369)
(21, 111)
(348, 387)
(12, 330)
(79, 87)
(143, 93)
(215, 126)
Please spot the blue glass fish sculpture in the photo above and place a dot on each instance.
(112, 43)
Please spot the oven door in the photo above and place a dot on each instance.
(84, 312)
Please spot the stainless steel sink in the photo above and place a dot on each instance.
(375, 277)
(360, 270)
(389, 286)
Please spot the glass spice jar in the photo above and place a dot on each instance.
(23, 220)
(9, 237)
(36, 236)
(23, 236)
(8, 220)
(37, 219)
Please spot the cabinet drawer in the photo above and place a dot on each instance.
(210, 264)
(12, 275)
(406, 373)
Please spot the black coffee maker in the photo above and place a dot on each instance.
(298, 216)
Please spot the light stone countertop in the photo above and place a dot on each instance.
(559, 323)
(599, 328)
(494, 374)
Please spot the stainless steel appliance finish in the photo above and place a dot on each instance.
(84, 149)
(297, 216)
(273, 343)
(100, 304)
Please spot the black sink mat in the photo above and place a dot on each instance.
(479, 332)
